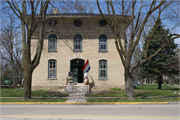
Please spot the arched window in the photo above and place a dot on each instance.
(103, 69)
(103, 43)
(52, 43)
(77, 43)
(52, 66)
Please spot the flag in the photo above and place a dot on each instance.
(86, 67)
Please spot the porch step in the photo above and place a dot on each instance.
(77, 88)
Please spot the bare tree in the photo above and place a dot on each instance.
(74, 6)
(136, 56)
(37, 16)
(139, 16)
(3, 65)
(11, 46)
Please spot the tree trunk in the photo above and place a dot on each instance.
(141, 81)
(148, 80)
(159, 85)
(15, 76)
(27, 71)
(14, 79)
(129, 85)
(160, 81)
(171, 81)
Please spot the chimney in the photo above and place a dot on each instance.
(55, 10)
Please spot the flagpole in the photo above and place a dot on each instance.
(86, 69)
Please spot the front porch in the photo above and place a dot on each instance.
(79, 88)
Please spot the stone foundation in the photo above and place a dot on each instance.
(98, 88)
(48, 87)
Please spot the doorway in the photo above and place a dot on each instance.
(76, 66)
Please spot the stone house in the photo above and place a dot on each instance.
(75, 38)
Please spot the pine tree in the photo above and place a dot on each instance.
(161, 63)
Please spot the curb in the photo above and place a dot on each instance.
(85, 103)
(175, 102)
(94, 97)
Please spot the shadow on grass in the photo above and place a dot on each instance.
(169, 89)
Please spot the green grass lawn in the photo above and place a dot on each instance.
(32, 100)
(121, 93)
(141, 91)
(134, 100)
(151, 90)
(11, 92)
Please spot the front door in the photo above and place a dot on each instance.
(75, 71)
(76, 66)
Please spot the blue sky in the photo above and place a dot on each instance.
(168, 24)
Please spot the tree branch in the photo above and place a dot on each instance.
(124, 30)
(147, 46)
(134, 66)
(13, 9)
(117, 31)
(143, 24)
(110, 16)
(103, 15)
(139, 13)
(120, 52)
(37, 56)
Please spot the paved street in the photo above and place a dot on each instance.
(90, 112)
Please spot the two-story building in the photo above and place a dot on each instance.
(75, 38)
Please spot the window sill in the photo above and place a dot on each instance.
(52, 51)
(102, 78)
(77, 51)
(51, 78)
(103, 51)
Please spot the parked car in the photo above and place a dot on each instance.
(8, 81)
(135, 83)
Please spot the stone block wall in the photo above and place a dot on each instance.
(65, 30)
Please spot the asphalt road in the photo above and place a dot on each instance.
(90, 112)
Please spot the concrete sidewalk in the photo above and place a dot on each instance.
(76, 97)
